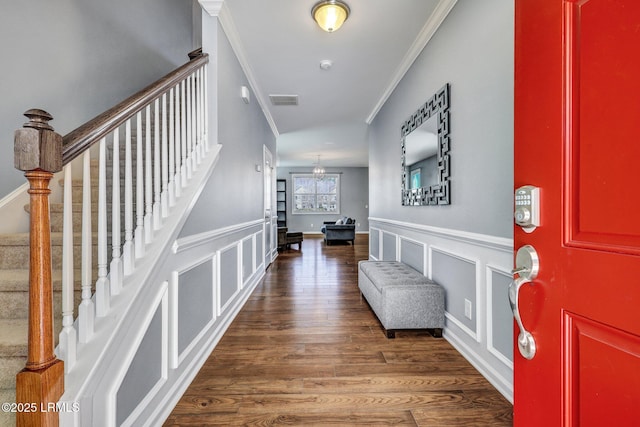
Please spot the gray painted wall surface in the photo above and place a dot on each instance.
(195, 302)
(412, 254)
(354, 199)
(458, 278)
(389, 250)
(234, 193)
(75, 59)
(473, 50)
(228, 274)
(144, 372)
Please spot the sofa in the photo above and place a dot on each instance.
(401, 297)
(342, 230)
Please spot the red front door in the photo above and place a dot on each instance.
(577, 138)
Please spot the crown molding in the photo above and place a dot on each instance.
(212, 7)
(435, 20)
(230, 29)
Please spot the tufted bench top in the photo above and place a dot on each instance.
(392, 273)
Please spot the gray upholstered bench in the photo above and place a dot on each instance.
(401, 297)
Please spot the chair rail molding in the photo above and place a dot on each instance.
(472, 268)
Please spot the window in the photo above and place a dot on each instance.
(316, 195)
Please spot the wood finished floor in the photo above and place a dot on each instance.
(306, 350)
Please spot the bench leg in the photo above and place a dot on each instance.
(436, 332)
(390, 333)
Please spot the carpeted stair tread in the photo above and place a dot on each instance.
(16, 280)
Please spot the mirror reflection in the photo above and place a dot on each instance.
(421, 149)
(425, 153)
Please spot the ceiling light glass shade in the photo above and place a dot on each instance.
(330, 14)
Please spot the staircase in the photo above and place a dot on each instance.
(14, 300)
(164, 178)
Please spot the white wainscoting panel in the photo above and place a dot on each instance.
(487, 256)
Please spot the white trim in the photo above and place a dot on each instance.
(174, 344)
(461, 326)
(503, 385)
(419, 243)
(222, 309)
(499, 355)
(482, 251)
(212, 7)
(171, 397)
(189, 242)
(435, 20)
(230, 29)
(477, 334)
(486, 240)
(112, 390)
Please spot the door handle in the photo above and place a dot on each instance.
(527, 266)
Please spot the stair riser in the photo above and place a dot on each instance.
(9, 367)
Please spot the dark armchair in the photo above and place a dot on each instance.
(286, 238)
(342, 230)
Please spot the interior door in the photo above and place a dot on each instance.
(577, 138)
(269, 237)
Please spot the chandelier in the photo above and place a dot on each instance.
(318, 170)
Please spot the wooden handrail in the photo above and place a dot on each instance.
(80, 139)
(40, 152)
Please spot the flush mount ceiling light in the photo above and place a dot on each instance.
(330, 14)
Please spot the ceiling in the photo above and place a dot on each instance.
(280, 47)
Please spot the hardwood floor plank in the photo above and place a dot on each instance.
(306, 349)
(347, 419)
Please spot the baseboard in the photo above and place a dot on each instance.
(172, 396)
(501, 384)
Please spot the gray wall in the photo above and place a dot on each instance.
(354, 200)
(75, 59)
(473, 50)
(468, 245)
(234, 193)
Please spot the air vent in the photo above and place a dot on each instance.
(284, 99)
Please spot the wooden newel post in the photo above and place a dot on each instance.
(38, 152)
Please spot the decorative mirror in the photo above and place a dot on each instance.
(425, 153)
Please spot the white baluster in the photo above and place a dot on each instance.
(67, 347)
(156, 165)
(189, 133)
(148, 181)
(194, 120)
(164, 196)
(139, 234)
(206, 107)
(86, 311)
(103, 293)
(183, 129)
(128, 256)
(178, 128)
(115, 269)
(172, 162)
(198, 116)
(201, 114)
